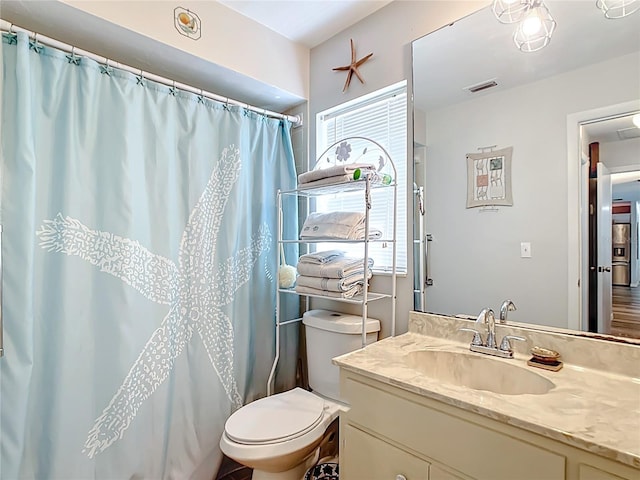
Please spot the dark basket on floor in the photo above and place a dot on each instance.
(323, 471)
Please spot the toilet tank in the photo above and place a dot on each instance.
(330, 334)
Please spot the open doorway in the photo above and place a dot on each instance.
(614, 215)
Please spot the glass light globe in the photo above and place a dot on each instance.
(618, 8)
(531, 24)
(535, 31)
(510, 11)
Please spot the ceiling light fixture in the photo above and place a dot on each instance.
(618, 8)
(636, 120)
(510, 11)
(535, 29)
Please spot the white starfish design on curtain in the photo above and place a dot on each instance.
(195, 291)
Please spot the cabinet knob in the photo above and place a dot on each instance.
(400, 477)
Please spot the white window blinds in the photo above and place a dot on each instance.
(382, 117)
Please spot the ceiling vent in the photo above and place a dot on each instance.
(626, 133)
(478, 87)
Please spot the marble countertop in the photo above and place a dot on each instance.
(594, 410)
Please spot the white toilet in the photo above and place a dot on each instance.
(279, 436)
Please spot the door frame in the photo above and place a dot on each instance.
(577, 213)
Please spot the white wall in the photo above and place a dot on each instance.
(620, 154)
(387, 34)
(228, 39)
(476, 256)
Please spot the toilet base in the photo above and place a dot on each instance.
(295, 473)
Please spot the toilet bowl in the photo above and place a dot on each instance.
(279, 436)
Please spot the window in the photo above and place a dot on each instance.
(382, 117)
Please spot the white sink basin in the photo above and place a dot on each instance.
(478, 372)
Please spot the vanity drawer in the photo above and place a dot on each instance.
(587, 472)
(368, 457)
(466, 446)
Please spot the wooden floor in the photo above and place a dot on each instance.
(626, 311)
(232, 470)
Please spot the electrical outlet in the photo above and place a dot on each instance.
(525, 250)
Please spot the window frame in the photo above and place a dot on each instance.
(396, 97)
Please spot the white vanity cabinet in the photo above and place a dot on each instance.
(393, 434)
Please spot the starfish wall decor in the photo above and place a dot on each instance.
(353, 67)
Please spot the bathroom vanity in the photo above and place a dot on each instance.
(410, 420)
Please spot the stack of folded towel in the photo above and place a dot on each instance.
(335, 174)
(332, 274)
(337, 225)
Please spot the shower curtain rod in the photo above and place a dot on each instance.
(9, 27)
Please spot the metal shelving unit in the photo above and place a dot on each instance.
(365, 186)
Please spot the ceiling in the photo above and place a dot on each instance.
(478, 48)
(308, 22)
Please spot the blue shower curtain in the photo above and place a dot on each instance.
(139, 251)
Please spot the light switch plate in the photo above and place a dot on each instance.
(525, 250)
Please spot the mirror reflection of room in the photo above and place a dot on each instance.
(475, 93)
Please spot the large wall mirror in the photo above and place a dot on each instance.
(546, 106)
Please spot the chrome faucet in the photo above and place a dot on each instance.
(489, 319)
(490, 347)
(506, 307)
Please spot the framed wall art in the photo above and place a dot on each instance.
(489, 178)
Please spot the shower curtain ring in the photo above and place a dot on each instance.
(11, 28)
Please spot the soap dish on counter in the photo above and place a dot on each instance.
(545, 358)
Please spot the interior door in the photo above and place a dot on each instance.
(604, 222)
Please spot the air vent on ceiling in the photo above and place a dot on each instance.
(626, 133)
(478, 87)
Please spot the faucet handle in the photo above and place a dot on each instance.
(477, 338)
(505, 344)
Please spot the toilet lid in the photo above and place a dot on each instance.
(276, 418)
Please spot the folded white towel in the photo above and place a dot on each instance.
(355, 290)
(332, 284)
(319, 258)
(326, 181)
(374, 233)
(338, 225)
(374, 178)
(333, 171)
(340, 268)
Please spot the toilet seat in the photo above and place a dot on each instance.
(276, 419)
